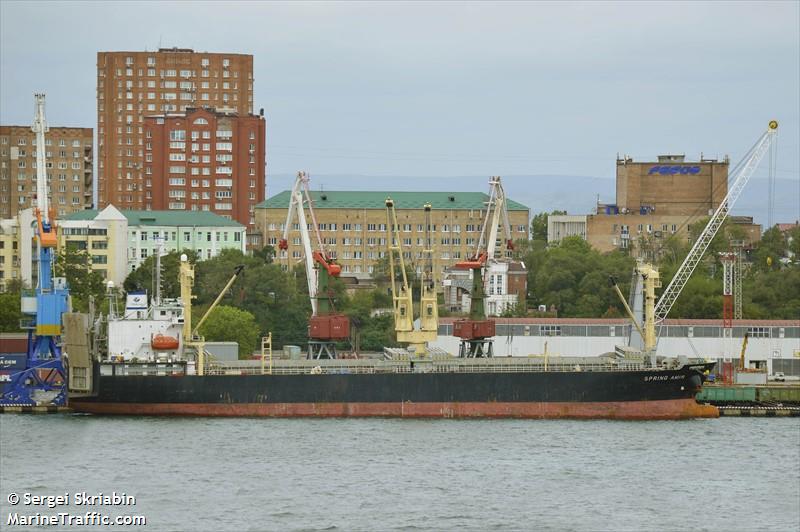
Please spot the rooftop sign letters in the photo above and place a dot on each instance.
(674, 170)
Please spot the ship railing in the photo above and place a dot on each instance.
(430, 366)
(143, 368)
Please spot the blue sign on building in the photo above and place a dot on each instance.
(674, 170)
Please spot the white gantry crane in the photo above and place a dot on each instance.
(326, 326)
(496, 211)
(476, 331)
(301, 194)
(740, 176)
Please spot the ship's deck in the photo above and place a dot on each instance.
(372, 366)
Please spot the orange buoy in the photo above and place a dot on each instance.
(163, 342)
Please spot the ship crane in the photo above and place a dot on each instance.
(656, 312)
(476, 332)
(191, 334)
(402, 298)
(326, 326)
(44, 379)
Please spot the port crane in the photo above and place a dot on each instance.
(402, 297)
(742, 172)
(44, 379)
(325, 326)
(476, 332)
(656, 312)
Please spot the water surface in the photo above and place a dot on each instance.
(399, 474)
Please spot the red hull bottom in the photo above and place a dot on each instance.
(642, 410)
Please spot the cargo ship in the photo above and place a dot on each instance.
(446, 388)
(141, 373)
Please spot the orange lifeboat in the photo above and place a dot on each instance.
(162, 342)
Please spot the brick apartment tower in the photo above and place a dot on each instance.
(205, 160)
(132, 85)
(69, 169)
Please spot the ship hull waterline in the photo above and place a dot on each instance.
(632, 410)
(653, 394)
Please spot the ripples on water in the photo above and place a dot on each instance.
(392, 474)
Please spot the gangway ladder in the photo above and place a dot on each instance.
(266, 349)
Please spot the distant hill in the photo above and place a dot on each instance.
(575, 194)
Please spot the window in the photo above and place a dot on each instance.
(758, 332)
(177, 134)
(550, 330)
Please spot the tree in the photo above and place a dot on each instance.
(229, 324)
(10, 313)
(75, 265)
(267, 254)
(793, 246)
(573, 277)
(771, 249)
(539, 225)
(142, 277)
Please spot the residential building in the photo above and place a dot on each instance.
(119, 241)
(69, 169)
(353, 226)
(132, 85)
(16, 260)
(205, 160)
(505, 286)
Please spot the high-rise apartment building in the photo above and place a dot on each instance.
(132, 85)
(205, 160)
(69, 169)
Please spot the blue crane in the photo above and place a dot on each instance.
(43, 381)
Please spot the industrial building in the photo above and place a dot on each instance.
(132, 85)
(69, 169)
(353, 226)
(206, 160)
(654, 201)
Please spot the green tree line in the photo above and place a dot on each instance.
(571, 278)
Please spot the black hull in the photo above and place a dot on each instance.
(497, 394)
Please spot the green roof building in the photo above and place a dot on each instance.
(354, 228)
(119, 241)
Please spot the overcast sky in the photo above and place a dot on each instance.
(448, 89)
